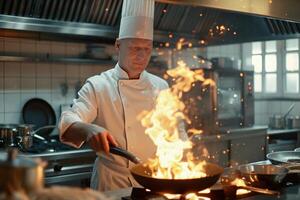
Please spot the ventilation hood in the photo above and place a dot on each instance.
(195, 20)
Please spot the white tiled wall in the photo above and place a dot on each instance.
(21, 81)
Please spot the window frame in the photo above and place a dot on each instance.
(284, 71)
(263, 53)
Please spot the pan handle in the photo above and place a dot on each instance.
(292, 167)
(124, 153)
(259, 190)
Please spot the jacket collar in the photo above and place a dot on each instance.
(122, 75)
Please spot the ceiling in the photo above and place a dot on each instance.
(100, 19)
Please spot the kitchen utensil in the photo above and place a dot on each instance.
(20, 135)
(26, 135)
(268, 175)
(289, 110)
(126, 154)
(293, 122)
(276, 122)
(279, 121)
(263, 176)
(142, 174)
(8, 135)
(40, 113)
(282, 157)
(226, 182)
(20, 174)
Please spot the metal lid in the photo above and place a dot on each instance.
(12, 159)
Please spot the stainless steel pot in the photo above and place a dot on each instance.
(20, 135)
(25, 136)
(293, 122)
(19, 174)
(279, 121)
(8, 135)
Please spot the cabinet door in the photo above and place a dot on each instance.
(246, 150)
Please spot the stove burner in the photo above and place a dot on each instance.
(53, 145)
(217, 192)
(143, 194)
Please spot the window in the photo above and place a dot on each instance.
(292, 66)
(264, 60)
(257, 64)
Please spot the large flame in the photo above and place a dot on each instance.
(163, 124)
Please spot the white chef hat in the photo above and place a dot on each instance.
(137, 19)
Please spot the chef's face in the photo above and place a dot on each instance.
(134, 55)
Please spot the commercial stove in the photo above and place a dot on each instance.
(216, 192)
(65, 165)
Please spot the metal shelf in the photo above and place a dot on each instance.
(54, 59)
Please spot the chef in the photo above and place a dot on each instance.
(106, 110)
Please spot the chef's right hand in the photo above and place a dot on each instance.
(99, 139)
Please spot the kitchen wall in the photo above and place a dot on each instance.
(21, 81)
(263, 108)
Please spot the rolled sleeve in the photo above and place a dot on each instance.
(84, 109)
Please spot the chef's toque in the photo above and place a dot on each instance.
(137, 19)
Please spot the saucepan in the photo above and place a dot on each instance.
(20, 135)
(142, 174)
(279, 121)
(268, 175)
(8, 135)
(290, 160)
(20, 174)
(231, 189)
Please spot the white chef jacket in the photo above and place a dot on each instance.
(113, 101)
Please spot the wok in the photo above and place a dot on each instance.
(142, 174)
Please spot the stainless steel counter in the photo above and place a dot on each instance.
(67, 167)
(289, 193)
(282, 131)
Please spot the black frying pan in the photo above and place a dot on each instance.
(39, 113)
(142, 174)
